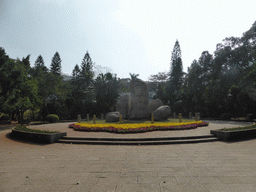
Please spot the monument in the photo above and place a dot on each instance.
(136, 104)
(139, 100)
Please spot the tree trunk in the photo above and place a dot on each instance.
(21, 115)
(18, 114)
(33, 114)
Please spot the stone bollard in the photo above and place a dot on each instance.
(180, 117)
(152, 118)
(87, 117)
(101, 116)
(120, 118)
(174, 115)
(79, 118)
(190, 115)
(94, 119)
(196, 117)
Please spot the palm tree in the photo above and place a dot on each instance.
(134, 76)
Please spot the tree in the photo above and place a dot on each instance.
(39, 64)
(193, 88)
(124, 85)
(19, 91)
(176, 72)
(52, 90)
(76, 71)
(205, 62)
(173, 90)
(248, 82)
(86, 73)
(161, 77)
(134, 76)
(80, 99)
(106, 90)
(3, 59)
(76, 95)
(158, 83)
(56, 64)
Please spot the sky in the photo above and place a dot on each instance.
(121, 36)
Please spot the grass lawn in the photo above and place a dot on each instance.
(24, 128)
(240, 128)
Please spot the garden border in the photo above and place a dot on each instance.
(37, 137)
(234, 135)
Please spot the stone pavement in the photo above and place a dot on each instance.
(217, 166)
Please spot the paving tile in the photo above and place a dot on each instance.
(109, 187)
(82, 187)
(196, 188)
(248, 179)
(176, 173)
(166, 187)
(230, 187)
(61, 188)
(225, 168)
(238, 179)
(76, 178)
(140, 187)
(138, 173)
(192, 180)
(157, 180)
(96, 168)
(170, 187)
(209, 179)
(107, 183)
(158, 169)
(119, 167)
(217, 166)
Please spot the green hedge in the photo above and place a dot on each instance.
(52, 118)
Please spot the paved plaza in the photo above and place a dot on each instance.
(213, 166)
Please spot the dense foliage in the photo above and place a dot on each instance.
(106, 90)
(215, 84)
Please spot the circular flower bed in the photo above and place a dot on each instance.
(136, 128)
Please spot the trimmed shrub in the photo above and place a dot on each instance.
(52, 118)
(226, 116)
